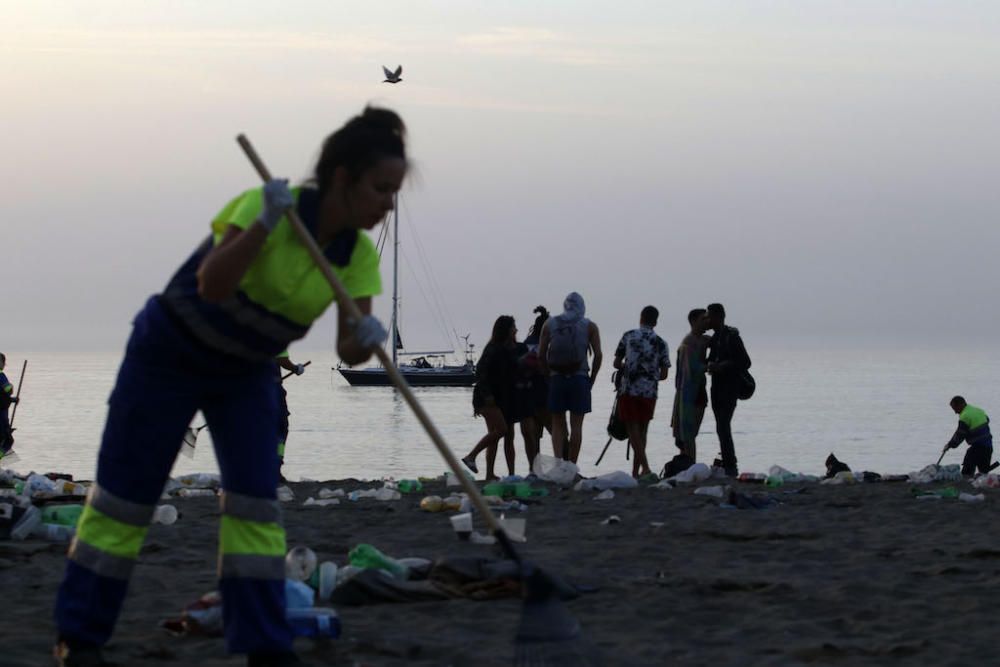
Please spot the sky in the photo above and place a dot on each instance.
(826, 169)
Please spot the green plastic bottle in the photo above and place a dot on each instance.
(774, 481)
(494, 489)
(409, 486)
(367, 556)
(63, 515)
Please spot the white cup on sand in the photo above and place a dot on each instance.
(514, 527)
(462, 525)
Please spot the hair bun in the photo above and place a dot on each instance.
(384, 119)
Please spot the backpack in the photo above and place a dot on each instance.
(747, 386)
(676, 465)
(567, 345)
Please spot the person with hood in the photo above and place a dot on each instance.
(565, 342)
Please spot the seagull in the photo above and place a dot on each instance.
(392, 77)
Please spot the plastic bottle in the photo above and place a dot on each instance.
(63, 515)
(165, 514)
(410, 486)
(367, 556)
(54, 532)
(314, 622)
(300, 563)
(970, 498)
(324, 579)
(30, 520)
(774, 481)
(385, 493)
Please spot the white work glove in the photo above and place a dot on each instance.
(299, 369)
(277, 199)
(369, 332)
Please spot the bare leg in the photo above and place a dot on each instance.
(637, 436)
(575, 436)
(529, 431)
(558, 433)
(508, 449)
(496, 427)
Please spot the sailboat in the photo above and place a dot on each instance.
(421, 369)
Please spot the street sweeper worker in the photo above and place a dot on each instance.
(7, 399)
(208, 342)
(974, 428)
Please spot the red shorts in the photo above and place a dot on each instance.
(635, 408)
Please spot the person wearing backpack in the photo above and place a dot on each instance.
(728, 363)
(563, 347)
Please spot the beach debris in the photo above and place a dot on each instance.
(518, 490)
(746, 501)
(481, 538)
(285, 494)
(843, 477)
(300, 563)
(936, 473)
(834, 466)
(990, 481)
(385, 493)
(776, 476)
(325, 493)
(323, 502)
(17, 522)
(551, 469)
(606, 494)
(54, 532)
(934, 494)
(368, 557)
(514, 527)
(714, 491)
(165, 515)
(752, 477)
(432, 504)
(656, 525)
(199, 480)
(407, 486)
(611, 520)
(195, 493)
(618, 479)
(462, 525)
(698, 472)
(662, 484)
(972, 498)
(201, 617)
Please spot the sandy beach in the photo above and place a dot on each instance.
(859, 574)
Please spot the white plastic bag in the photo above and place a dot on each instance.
(551, 469)
(696, 473)
(618, 479)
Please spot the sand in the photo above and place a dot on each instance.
(861, 574)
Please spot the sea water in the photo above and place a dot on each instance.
(882, 408)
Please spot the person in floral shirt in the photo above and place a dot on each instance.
(643, 361)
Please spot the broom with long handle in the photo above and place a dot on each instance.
(547, 631)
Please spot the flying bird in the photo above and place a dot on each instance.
(392, 77)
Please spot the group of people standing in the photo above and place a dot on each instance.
(548, 378)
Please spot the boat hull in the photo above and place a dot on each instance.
(448, 376)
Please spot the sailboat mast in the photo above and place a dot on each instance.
(395, 280)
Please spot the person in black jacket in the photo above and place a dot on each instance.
(727, 361)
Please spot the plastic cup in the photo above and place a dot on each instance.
(462, 525)
(514, 527)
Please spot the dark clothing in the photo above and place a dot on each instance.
(494, 378)
(730, 357)
(977, 458)
(723, 407)
(727, 352)
(522, 391)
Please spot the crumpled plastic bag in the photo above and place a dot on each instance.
(555, 470)
(789, 477)
(618, 479)
(699, 472)
(988, 481)
(936, 473)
